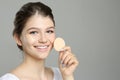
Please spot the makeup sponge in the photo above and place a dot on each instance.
(59, 43)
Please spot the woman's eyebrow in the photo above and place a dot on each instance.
(52, 27)
(32, 28)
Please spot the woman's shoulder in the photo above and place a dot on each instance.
(8, 76)
(57, 73)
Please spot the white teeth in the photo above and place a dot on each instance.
(41, 47)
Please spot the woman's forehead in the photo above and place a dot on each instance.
(39, 21)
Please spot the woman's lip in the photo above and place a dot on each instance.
(42, 47)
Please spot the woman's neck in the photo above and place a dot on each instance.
(32, 68)
(32, 62)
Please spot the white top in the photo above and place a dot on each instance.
(9, 76)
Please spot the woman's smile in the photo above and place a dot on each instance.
(42, 48)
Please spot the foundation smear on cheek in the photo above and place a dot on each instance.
(59, 43)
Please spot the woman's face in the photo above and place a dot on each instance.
(38, 36)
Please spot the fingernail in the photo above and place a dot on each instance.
(63, 65)
(61, 62)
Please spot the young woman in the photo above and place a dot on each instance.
(34, 33)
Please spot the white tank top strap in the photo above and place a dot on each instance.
(57, 74)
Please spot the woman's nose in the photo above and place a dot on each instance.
(43, 38)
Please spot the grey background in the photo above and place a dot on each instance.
(90, 27)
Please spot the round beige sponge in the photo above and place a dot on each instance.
(59, 43)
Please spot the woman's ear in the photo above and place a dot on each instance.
(17, 39)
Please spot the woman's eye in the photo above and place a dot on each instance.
(33, 32)
(50, 31)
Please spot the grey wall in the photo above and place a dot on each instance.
(90, 27)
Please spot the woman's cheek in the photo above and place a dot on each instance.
(53, 39)
(29, 39)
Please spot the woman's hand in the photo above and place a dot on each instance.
(67, 63)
